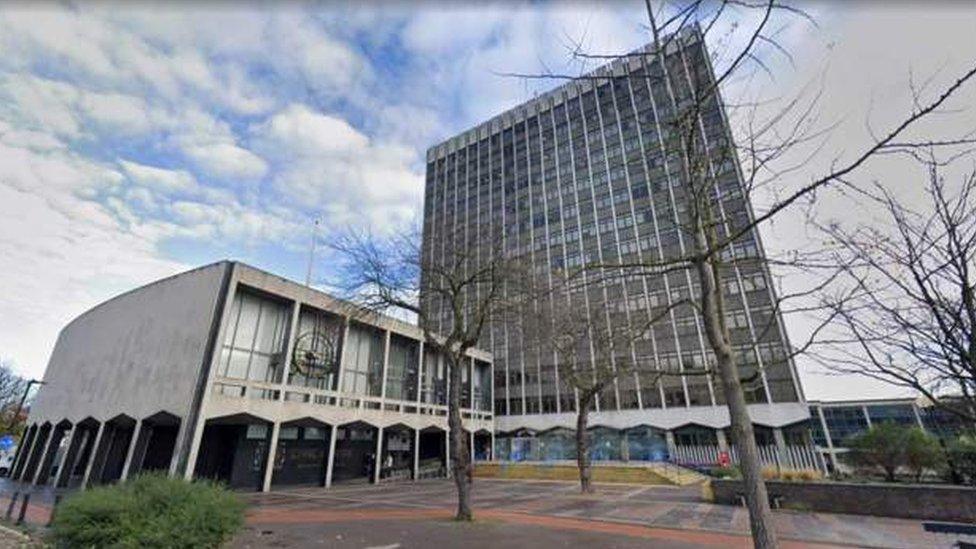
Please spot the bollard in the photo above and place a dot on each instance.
(23, 508)
(10, 508)
(54, 509)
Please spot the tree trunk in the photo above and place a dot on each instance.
(458, 447)
(582, 448)
(757, 500)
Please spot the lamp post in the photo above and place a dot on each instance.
(20, 405)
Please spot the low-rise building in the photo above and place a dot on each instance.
(232, 373)
(833, 423)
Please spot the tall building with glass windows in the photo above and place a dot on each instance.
(580, 175)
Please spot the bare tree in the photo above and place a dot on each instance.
(12, 387)
(452, 300)
(715, 178)
(906, 303)
(571, 327)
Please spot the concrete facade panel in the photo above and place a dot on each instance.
(137, 354)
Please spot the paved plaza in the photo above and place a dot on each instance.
(520, 513)
(544, 514)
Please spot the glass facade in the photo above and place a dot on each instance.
(844, 422)
(254, 338)
(401, 373)
(363, 363)
(318, 340)
(585, 174)
(605, 444)
(902, 414)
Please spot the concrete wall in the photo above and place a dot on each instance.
(922, 502)
(137, 354)
(717, 417)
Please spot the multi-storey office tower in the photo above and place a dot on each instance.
(582, 175)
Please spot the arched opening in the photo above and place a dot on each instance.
(482, 445)
(112, 449)
(432, 453)
(234, 450)
(302, 453)
(355, 453)
(55, 450)
(80, 450)
(396, 461)
(155, 443)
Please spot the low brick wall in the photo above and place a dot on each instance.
(922, 502)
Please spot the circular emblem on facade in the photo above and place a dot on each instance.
(314, 355)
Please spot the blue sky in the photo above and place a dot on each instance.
(137, 141)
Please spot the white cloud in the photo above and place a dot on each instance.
(325, 165)
(159, 178)
(227, 161)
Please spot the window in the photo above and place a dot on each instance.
(401, 375)
(255, 337)
(363, 361)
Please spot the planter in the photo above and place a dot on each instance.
(911, 501)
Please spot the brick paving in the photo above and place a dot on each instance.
(555, 511)
(529, 514)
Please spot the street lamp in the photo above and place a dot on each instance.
(20, 405)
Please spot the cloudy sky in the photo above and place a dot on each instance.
(137, 141)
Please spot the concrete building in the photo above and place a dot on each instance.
(580, 175)
(232, 373)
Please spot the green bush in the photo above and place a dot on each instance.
(888, 447)
(962, 453)
(726, 472)
(149, 511)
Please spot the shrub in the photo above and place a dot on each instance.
(149, 511)
(888, 447)
(962, 453)
(725, 472)
(791, 475)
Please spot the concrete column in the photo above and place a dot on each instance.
(471, 373)
(42, 459)
(130, 453)
(93, 455)
(26, 441)
(69, 457)
(29, 440)
(290, 346)
(272, 452)
(624, 447)
(779, 438)
(491, 450)
(191, 459)
(471, 447)
(669, 440)
(723, 442)
(378, 460)
(33, 460)
(420, 371)
(386, 368)
(416, 453)
(780, 446)
(342, 355)
(331, 457)
(447, 452)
